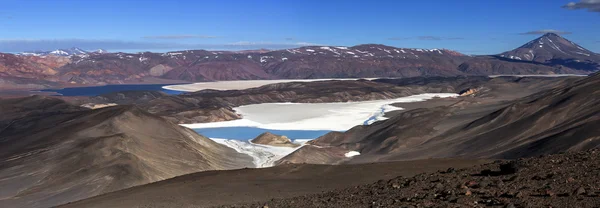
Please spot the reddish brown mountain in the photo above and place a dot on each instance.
(549, 54)
(305, 62)
(29, 71)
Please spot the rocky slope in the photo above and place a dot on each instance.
(53, 152)
(561, 180)
(563, 118)
(211, 188)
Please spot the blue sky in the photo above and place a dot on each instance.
(468, 26)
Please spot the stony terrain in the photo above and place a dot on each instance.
(207, 189)
(559, 180)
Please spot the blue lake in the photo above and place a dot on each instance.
(98, 90)
(246, 133)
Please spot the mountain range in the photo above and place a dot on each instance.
(61, 52)
(549, 54)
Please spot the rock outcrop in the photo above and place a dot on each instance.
(268, 138)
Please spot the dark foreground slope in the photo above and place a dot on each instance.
(565, 118)
(561, 180)
(52, 152)
(211, 188)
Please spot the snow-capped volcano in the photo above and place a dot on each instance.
(550, 46)
(555, 50)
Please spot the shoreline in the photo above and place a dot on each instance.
(315, 116)
(242, 84)
(263, 156)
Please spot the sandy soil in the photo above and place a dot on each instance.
(215, 188)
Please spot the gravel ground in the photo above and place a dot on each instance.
(561, 180)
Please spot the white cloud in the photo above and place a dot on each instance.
(179, 37)
(590, 5)
(541, 32)
(21, 45)
(272, 44)
(426, 37)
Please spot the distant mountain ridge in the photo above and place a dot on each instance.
(549, 54)
(61, 52)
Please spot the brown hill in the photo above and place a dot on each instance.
(17, 72)
(563, 118)
(55, 153)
